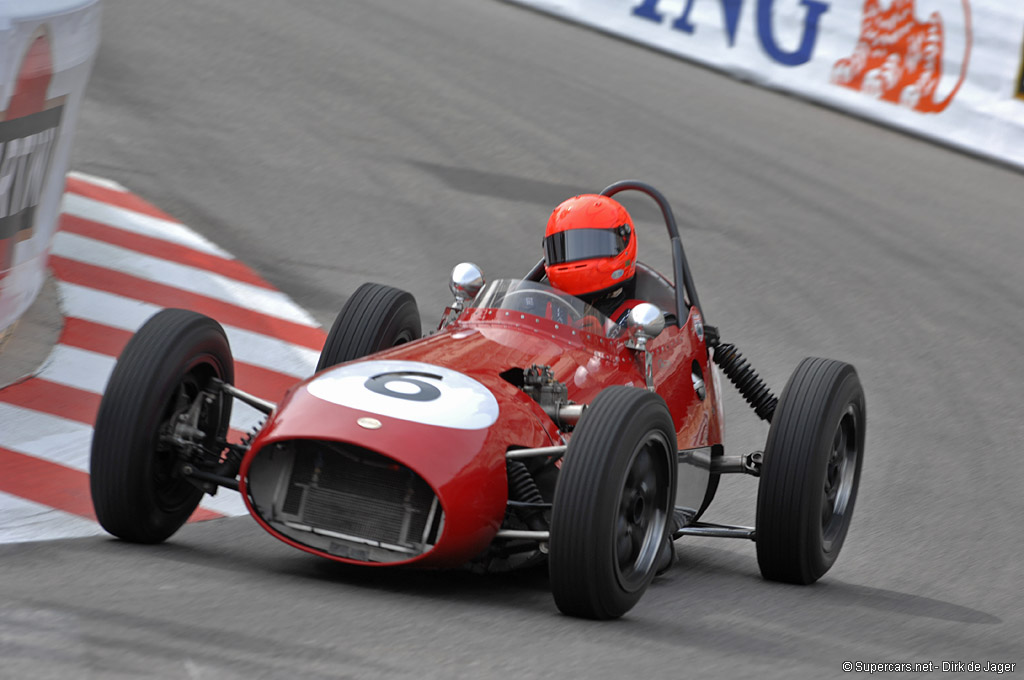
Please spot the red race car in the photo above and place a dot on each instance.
(528, 427)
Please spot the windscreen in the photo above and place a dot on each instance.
(543, 301)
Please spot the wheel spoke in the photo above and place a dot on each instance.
(629, 546)
(832, 477)
(839, 443)
(637, 509)
(624, 544)
(831, 487)
(642, 475)
(626, 504)
(637, 537)
(833, 503)
(826, 513)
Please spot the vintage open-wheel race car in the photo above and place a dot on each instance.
(527, 428)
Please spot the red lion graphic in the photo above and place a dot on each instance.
(898, 59)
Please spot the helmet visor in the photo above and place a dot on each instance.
(584, 244)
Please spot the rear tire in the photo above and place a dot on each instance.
(374, 318)
(811, 472)
(615, 494)
(137, 491)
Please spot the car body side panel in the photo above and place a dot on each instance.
(486, 342)
(698, 421)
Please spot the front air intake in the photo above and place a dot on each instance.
(344, 500)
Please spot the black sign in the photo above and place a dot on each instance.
(27, 146)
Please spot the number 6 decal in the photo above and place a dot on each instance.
(401, 381)
(410, 391)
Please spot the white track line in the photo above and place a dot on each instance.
(98, 181)
(127, 314)
(129, 220)
(117, 311)
(51, 438)
(90, 371)
(23, 521)
(68, 443)
(192, 279)
(78, 368)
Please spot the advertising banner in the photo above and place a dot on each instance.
(46, 53)
(950, 70)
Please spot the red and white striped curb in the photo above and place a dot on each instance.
(117, 261)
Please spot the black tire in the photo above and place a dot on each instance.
(374, 318)
(137, 492)
(811, 471)
(615, 494)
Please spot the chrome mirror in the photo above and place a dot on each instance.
(647, 322)
(648, 319)
(467, 280)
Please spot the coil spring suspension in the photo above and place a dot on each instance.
(232, 455)
(523, 488)
(251, 434)
(521, 485)
(746, 380)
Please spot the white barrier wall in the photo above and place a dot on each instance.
(46, 53)
(952, 70)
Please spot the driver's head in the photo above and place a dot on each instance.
(589, 246)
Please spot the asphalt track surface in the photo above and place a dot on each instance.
(328, 144)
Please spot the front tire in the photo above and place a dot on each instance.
(613, 500)
(137, 490)
(374, 318)
(811, 472)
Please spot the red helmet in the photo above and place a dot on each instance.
(589, 245)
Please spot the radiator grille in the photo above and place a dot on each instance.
(346, 500)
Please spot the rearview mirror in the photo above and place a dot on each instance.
(467, 280)
(647, 318)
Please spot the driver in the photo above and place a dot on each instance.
(590, 252)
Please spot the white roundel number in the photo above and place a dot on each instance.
(404, 385)
(409, 390)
